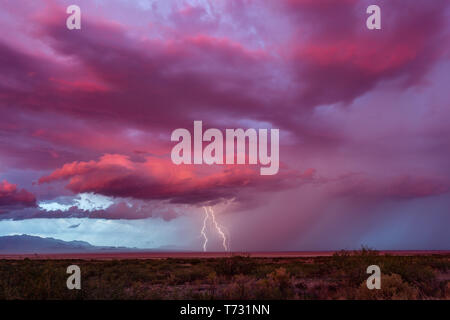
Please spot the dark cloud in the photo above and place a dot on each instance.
(12, 197)
(74, 226)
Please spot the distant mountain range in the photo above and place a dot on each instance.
(26, 244)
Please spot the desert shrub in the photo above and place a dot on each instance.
(241, 288)
(319, 291)
(261, 270)
(392, 288)
(295, 268)
(235, 265)
(416, 273)
(276, 285)
(182, 275)
(447, 291)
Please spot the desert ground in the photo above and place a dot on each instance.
(187, 255)
(263, 275)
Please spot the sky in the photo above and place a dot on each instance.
(87, 116)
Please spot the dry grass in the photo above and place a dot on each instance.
(341, 276)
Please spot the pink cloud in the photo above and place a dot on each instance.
(159, 179)
(337, 59)
(13, 198)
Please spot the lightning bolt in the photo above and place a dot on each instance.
(209, 213)
(219, 229)
(203, 232)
